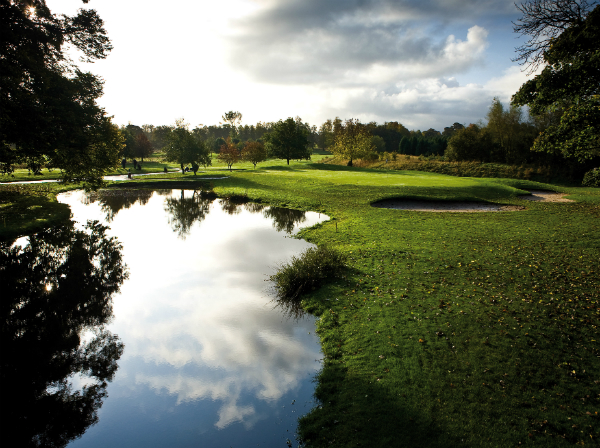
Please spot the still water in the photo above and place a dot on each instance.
(207, 359)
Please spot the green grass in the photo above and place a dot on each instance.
(446, 329)
(556, 174)
(26, 209)
(155, 164)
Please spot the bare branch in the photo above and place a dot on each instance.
(543, 21)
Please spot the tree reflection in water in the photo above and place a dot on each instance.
(233, 206)
(284, 219)
(185, 211)
(113, 201)
(56, 299)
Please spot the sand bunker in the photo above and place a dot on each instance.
(469, 207)
(546, 196)
(444, 206)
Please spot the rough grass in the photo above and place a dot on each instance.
(306, 272)
(447, 329)
(466, 169)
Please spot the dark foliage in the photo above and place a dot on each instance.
(55, 290)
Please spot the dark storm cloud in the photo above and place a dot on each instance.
(317, 41)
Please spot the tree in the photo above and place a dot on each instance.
(233, 120)
(543, 21)
(450, 130)
(353, 141)
(470, 143)
(183, 148)
(229, 153)
(378, 143)
(48, 111)
(254, 152)
(160, 136)
(511, 134)
(142, 146)
(288, 140)
(326, 136)
(570, 82)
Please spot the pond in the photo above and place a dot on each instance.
(198, 352)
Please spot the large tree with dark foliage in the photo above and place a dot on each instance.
(48, 111)
(570, 84)
(184, 148)
(288, 140)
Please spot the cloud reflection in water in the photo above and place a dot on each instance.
(195, 316)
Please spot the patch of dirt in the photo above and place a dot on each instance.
(445, 206)
(545, 196)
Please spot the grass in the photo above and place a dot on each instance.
(26, 209)
(306, 273)
(470, 169)
(446, 329)
(154, 164)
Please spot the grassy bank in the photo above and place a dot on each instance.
(447, 329)
(26, 209)
(471, 169)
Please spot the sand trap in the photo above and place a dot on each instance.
(444, 206)
(469, 207)
(546, 196)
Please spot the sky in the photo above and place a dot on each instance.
(424, 63)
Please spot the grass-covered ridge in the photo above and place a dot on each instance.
(447, 329)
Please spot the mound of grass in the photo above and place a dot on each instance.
(307, 272)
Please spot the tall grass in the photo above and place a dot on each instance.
(464, 169)
(306, 272)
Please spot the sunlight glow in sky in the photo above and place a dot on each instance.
(425, 63)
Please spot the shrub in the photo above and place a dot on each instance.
(306, 272)
(591, 178)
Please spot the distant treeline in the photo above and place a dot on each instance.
(387, 137)
(507, 136)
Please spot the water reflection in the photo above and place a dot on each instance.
(285, 219)
(56, 299)
(191, 206)
(113, 201)
(208, 360)
(185, 211)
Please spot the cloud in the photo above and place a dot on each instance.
(438, 102)
(354, 43)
